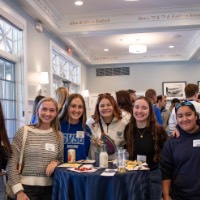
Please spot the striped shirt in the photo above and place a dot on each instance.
(41, 147)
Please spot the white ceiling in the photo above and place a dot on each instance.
(116, 24)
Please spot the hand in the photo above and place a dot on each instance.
(175, 133)
(50, 168)
(22, 196)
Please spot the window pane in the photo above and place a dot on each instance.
(9, 74)
(10, 90)
(11, 128)
(2, 89)
(1, 69)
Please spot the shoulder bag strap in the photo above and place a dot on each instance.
(22, 149)
(101, 127)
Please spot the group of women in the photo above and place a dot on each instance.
(52, 135)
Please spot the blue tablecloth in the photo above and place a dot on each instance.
(70, 185)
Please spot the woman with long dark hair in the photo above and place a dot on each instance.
(145, 140)
(5, 150)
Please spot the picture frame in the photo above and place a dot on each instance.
(198, 83)
(174, 89)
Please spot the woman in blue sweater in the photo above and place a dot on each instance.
(74, 128)
(180, 159)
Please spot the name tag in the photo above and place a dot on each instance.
(141, 158)
(196, 143)
(79, 134)
(49, 147)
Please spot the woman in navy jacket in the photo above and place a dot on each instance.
(180, 159)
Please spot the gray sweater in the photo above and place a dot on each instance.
(41, 147)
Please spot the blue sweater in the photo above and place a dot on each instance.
(158, 115)
(180, 162)
(73, 141)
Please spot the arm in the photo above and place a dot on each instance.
(59, 159)
(166, 185)
(13, 174)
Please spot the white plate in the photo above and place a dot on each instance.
(86, 161)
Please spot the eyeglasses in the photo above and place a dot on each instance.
(184, 103)
(74, 106)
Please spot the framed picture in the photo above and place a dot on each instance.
(198, 83)
(174, 89)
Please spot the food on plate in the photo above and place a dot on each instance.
(83, 168)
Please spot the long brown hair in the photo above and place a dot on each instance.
(65, 114)
(3, 132)
(117, 112)
(158, 133)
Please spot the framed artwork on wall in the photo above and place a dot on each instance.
(198, 83)
(174, 89)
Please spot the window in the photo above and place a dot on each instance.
(11, 75)
(65, 70)
(7, 95)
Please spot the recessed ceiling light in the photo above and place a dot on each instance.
(137, 48)
(106, 49)
(171, 46)
(78, 3)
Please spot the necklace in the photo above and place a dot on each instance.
(141, 132)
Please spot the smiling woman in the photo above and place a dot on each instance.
(43, 151)
(180, 157)
(73, 126)
(145, 140)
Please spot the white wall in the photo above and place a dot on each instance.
(144, 76)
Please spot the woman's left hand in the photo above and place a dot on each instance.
(50, 168)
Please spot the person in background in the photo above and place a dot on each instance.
(161, 104)
(5, 151)
(151, 94)
(180, 158)
(133, 95)
(191, 94)
(34, 114)
(43, 152)
(125, 104)
(198, 99)
(174, 101)
(73, 126)
(145, 140)
(109, 115)
(61, 95)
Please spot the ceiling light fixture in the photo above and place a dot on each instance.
(137, 48)
(171, 46)
(106, 49)
(78, 3)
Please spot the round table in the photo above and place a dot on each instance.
(69, 185)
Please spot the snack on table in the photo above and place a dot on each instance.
(136, 165)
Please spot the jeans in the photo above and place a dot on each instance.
(2, 189)
(38, 192)
(155, 184)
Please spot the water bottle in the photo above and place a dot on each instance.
(103, 158)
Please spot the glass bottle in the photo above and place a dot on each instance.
(103, 157)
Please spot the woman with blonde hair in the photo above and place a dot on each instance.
(43, 151)
(61, 95)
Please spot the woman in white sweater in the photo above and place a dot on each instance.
(43, 151)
